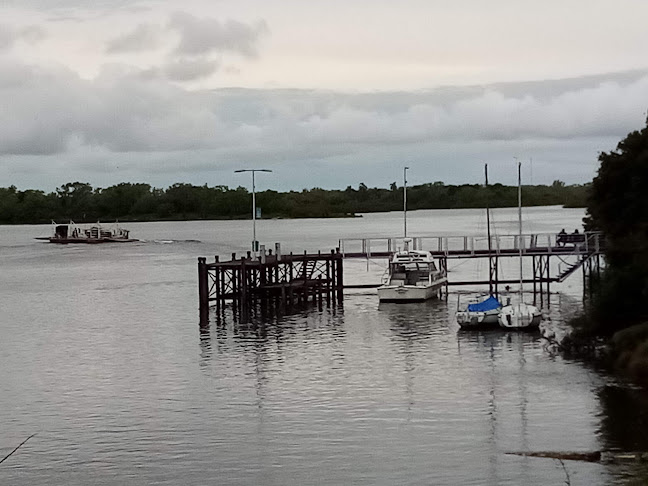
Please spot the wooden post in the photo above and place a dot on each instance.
(290, 294)
(203, 287)
(222, 285)
(235, 286)
(217, 286)
(263, 275)
(306, 288)
(243, 283)
(217, 282)
(535, 277)
(319, 292)
(340, 280)
(548, 283)
(283, 296)
(328, 282)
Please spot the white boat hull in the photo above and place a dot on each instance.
(478, 320)
(520, 316)
(408, 293)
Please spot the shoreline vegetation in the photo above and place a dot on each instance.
(613, 329)
(135, 202)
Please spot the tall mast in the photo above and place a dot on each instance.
(405, 202)
(520, 222)
(490, 280)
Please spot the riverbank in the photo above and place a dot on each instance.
(624, 353)
(629, 352)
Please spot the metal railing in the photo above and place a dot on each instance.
(591, 242)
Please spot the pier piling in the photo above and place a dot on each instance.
(285, 280)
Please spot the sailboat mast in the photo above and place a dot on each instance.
(405, 202)
(488, 231)
(520, 222)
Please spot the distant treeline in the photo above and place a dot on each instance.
(80, 202)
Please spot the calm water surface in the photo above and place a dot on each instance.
(102, 356)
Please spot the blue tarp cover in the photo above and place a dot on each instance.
(488, 304)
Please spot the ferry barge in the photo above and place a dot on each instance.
(90, 234)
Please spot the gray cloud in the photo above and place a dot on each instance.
(143, 37)
(75, 10)
(123, 118)
(32, 34)
(190, 69)
(185, 69)
(204, 35)
(6, 37)
(10, 35)
(76, 4)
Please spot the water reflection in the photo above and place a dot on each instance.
(265, 328)
(369, 374)
(624, 426)
(505, 375)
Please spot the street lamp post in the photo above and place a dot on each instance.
(254, 240)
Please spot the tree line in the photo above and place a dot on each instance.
(80, 202)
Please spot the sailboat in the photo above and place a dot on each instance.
(412, 275)
(520, 316)
(483, 312)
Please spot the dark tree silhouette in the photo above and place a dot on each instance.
(617, 205)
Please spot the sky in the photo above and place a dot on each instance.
(323, 93)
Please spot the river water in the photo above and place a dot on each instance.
(102, 357)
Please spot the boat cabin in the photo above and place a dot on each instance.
(411, 268)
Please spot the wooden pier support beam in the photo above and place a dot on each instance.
(340, 275)
(203, 286)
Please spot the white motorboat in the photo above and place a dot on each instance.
(412, 276)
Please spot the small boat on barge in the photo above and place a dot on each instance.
(90, 234)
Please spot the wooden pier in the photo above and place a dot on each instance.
(289, 280)
(285, 280)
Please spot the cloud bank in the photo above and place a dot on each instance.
(127, 112)
(53, 114)
(143, 37)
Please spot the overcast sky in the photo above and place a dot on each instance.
(325, 93)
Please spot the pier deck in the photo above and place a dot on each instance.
(587, 247)
(459, 247)
(288, 279)
(300, 278)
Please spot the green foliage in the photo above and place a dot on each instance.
(617, 205)
(629, 351)
(79, 202)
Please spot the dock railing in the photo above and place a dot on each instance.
(449, 246)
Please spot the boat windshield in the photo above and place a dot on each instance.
(412, 272)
